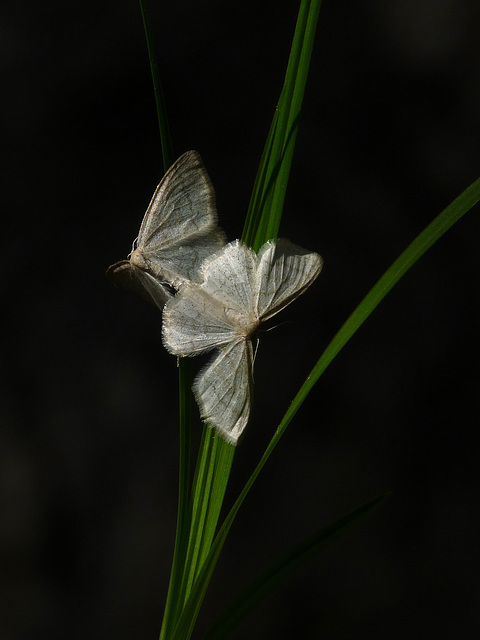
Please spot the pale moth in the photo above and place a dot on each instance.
(179, 230)
(239, 290)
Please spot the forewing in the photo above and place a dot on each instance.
(125, 275)
(224, 389)
(230, 276)
(285, 272)
(194, 322)
(182, 206)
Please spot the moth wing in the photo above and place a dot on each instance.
(230, 276)
(194, 322)
(125, 275)
(182, 206)
(224, 389)
(285, 272)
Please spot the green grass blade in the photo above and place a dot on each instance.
(165, 135)
(415, 250)
(266, 204)
(289, 562)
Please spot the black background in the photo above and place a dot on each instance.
(389, 135)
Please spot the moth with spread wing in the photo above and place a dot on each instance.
(239, 290)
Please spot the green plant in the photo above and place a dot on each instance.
(199, 539)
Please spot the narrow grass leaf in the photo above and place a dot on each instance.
(415, 250)
(284, 566)
(268, 196)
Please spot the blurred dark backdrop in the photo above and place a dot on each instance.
(389, 136)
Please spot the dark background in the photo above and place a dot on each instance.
(389, 136)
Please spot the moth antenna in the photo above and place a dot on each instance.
(257, 342)
(278, 325)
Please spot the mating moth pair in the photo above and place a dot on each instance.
(213, 295)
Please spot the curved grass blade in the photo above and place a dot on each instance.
(289, 562)
(448, 217)
(266, 203)
(415, 250)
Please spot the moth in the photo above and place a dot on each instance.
(179, 230)
(239, 290)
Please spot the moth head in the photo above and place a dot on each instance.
(137, 259)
